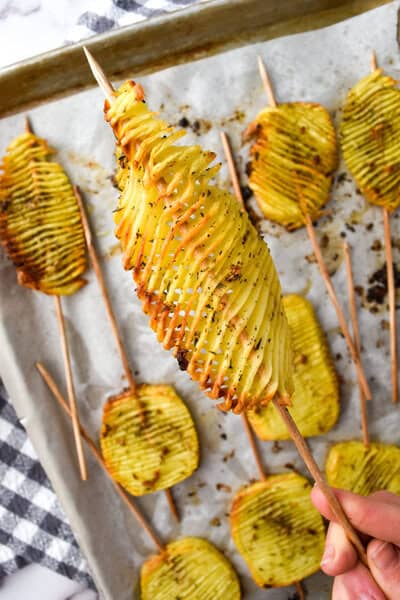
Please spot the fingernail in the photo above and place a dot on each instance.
(329, 555)
(365, 596)
(384, 555)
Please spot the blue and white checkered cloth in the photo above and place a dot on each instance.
(33, 527)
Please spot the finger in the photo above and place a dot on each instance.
(339, 554)
(356, 584)
(386, 496)
(384, 561)
(374, 515)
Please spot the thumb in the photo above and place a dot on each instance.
(384, 562)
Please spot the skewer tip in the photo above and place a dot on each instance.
(232, 169)
(77, 192)
(261, 67)
(84, 219)
(374, 64)
(99, 76)
(266, 81)
(39, 366)
(28, 125)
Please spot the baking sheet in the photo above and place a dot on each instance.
(219, 92)
(199, 30)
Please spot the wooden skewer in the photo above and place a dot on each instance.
(232, 170)
(254, 448)
(391, 285)
(374, 64)
(172, 505)
(123, 495)
(113, 321)
(392, 304)
(312, 466)
(267, 82)
(104, 292)
(99, 76)
(300, 590)
(323, 268)
(28, 126)
(334, 299)
(71, 389)
(356, 338)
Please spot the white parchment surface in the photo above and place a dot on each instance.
(219, 92)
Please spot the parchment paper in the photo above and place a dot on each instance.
(223, 91)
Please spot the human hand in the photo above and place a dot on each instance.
(378, 517)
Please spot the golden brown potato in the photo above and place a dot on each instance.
(351, 466)
(293, 160)
(204, 276)
(370, 133)
(148, 440)
(40, 223)
(190, 569)
(277, 530)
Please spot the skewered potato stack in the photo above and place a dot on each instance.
(203, 274)
(316, 397)
(370, 132)
(308, 533)
(293, 160)
(369, 136)
(40, 225)
(41, 231)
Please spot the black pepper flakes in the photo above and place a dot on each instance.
(182, 360)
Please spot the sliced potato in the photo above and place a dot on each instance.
(292, 161)
(370, 132)
(190, 569)
(353, 467)
(40, 223)
(203, 274)
(277, 530)
(149, 441)
(315, 403)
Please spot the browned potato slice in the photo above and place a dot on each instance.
(190, 569)
(277, 530)
(315, 404)
(149, 441)
(40, 223)
(353, 467)
(370, 133)
(293, 161)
